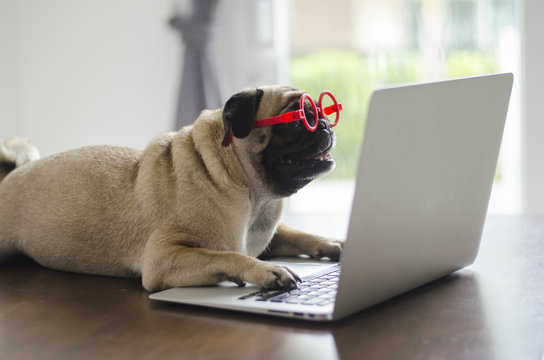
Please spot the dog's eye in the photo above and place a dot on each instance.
(295, 123)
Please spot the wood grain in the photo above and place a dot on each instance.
(491, 310)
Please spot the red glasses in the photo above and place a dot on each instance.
(325, 98)
(327, 105)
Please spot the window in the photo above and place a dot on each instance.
(352, 47)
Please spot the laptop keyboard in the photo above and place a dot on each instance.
(319, 291)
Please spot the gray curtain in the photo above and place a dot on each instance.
(199, 82)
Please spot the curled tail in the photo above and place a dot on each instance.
(14, 153)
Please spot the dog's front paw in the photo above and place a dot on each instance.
(269, 276)
(328, 248)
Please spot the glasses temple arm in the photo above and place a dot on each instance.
(332, 108)
(284, 118)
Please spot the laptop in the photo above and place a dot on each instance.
(424, 179)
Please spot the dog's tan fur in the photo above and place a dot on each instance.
(184, 211)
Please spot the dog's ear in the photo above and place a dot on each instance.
(239, 114)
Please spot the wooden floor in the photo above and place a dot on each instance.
(491, 310)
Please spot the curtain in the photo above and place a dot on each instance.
(200, 87)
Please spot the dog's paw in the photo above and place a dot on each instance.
(328, 248)
(270, 276)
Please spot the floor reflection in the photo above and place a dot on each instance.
(510, 273)
(442, 318)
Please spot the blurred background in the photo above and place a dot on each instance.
(75, 73)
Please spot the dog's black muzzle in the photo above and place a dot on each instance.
(297, 156)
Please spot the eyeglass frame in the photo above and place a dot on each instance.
(300, 114)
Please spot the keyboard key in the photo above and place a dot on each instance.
(318, 291)
(316, 301)
(244, 297)
(282, 297)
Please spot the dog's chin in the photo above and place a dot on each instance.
(289, 173)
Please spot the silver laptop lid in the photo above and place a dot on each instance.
(424, 179)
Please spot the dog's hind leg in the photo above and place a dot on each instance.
(14, 153)
(291, 242)
(7, 246)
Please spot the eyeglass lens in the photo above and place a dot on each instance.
(309, 113)
(328, 109)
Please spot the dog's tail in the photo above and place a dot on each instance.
(14, 153)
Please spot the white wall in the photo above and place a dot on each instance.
(76, 72)
(81, 72)
(253, 43)
(533, 105)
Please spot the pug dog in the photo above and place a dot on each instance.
(196, 207)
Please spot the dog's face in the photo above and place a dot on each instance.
(284, 156)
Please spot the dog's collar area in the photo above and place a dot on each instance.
(228, 139)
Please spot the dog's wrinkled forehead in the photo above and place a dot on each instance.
(276, 100)
(245, 107)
